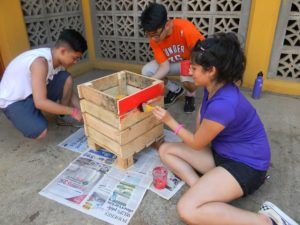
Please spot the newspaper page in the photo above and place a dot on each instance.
(152, 160)
(171, 136)
(94, 185)
(76, 142)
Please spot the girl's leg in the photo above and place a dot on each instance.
(183, 161)
(206, 202)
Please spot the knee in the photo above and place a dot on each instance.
(164, 149)
(42, 135)
(190, 86)
(184, 212)
(69, 82)
(150, 68)
(190, 214)
(146, 71)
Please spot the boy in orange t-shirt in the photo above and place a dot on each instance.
(171, 42)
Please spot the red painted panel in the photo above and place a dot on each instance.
(128, 103)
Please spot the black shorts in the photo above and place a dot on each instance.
(249, 178)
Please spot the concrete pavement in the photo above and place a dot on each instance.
(27, 166)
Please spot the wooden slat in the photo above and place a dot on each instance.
(102, 127)
(122, 84)
(106, 82)
(100, 112)
(104, 141)
(99, 91)
(122, 122)
(99, 98)
(138, 129)
(130, 148)
(139, 81)
(125, 136)
(124, 163)
(133, 101)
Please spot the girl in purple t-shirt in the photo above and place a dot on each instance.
(230, 146)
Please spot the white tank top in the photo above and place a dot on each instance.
(16, 81)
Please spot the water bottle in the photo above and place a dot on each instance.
(257, 86)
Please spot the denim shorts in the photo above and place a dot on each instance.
(249, 178)
(26, 117)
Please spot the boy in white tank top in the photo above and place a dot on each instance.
(36, 81)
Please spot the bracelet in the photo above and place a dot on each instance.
(75, 112)
(178, 128)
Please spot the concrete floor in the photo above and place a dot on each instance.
(27, 166)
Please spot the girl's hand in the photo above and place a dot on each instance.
(161, 114)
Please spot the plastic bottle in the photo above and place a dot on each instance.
(257, 86)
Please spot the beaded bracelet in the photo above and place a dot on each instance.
(178, 128)
(75, 112)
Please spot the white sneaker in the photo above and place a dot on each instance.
(278, 217)
(67, 120)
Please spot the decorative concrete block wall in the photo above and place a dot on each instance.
(285, 60)
(45, 19)
(118, 35)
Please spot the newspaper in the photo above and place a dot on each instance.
(76, 142)
(90, 185)
(94, 185)
(171, 137)
(174, 182)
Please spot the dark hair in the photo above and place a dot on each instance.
(74, 39)
(154, 17)
(224, 52)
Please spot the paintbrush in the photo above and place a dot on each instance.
(144, 107)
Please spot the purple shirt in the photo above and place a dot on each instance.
(244, 138)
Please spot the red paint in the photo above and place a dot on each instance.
(159, 183)
(135, 100)
(185, 68)
(160, 177)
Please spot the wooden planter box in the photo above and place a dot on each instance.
(112, 114)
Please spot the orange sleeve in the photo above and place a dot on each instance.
(192, 34)
(159, 55)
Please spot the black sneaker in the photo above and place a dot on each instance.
(189, 105)
(172, 97)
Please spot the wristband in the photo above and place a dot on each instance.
(75, 112)
(178, 128)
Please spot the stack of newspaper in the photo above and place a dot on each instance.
(94, 185)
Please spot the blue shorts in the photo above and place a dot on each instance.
(29, 120)
(249, 178)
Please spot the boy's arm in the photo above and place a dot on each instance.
(162, 70)
(161, 59)
(39, 71)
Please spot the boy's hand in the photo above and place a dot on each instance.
(76, 114)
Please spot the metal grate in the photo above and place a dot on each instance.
(285, 60)
(118, 35)
(45, 19)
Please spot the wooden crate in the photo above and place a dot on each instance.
(112, 116)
